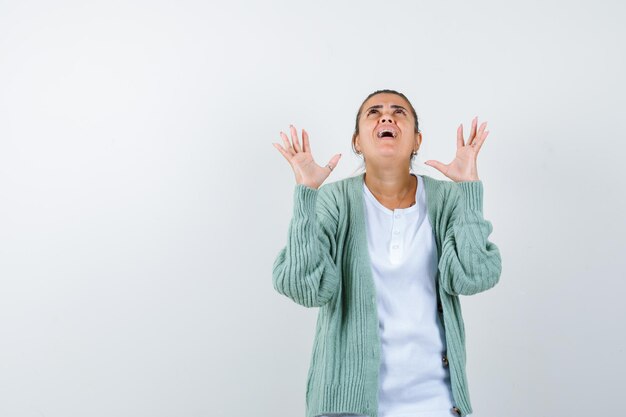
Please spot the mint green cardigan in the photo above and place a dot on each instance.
(326, 264)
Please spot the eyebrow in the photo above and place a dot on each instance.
(380, 106)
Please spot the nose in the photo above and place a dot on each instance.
(386, 119)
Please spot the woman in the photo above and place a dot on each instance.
(385, 255)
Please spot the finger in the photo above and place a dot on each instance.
(481, 130)
(294, 138)
(459, 137)
(334, 160)
(306, 146)
(479, 141)
(288, 148)
(473, 130)
(283, 152)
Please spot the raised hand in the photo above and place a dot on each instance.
(301, 160)
(463, 167)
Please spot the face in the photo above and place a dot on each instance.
(387, 129)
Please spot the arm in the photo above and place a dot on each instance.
(469, 263)
(304, 269)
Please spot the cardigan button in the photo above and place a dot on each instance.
(456, 410)
(439, 306)
(445, 360)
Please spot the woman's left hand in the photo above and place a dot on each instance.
(463, 167)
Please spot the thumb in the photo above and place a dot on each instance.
(436, 164)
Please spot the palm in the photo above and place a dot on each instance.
(306, 170)
(463, 166)
(304, 166)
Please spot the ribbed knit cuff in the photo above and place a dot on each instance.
(304, 199)
(472, 194)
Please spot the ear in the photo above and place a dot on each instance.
(418, 139)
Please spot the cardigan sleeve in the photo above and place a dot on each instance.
(304, 269)
(470, 263)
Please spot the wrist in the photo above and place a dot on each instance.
(472, 178)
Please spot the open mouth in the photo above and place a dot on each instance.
(389, 134)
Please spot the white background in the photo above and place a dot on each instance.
(142, 203)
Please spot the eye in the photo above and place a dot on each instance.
(402, 111)
(370, 112)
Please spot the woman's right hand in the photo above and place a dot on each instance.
(301, 160)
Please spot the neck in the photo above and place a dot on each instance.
(389, 183)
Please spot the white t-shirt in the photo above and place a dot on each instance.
(413, 381)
